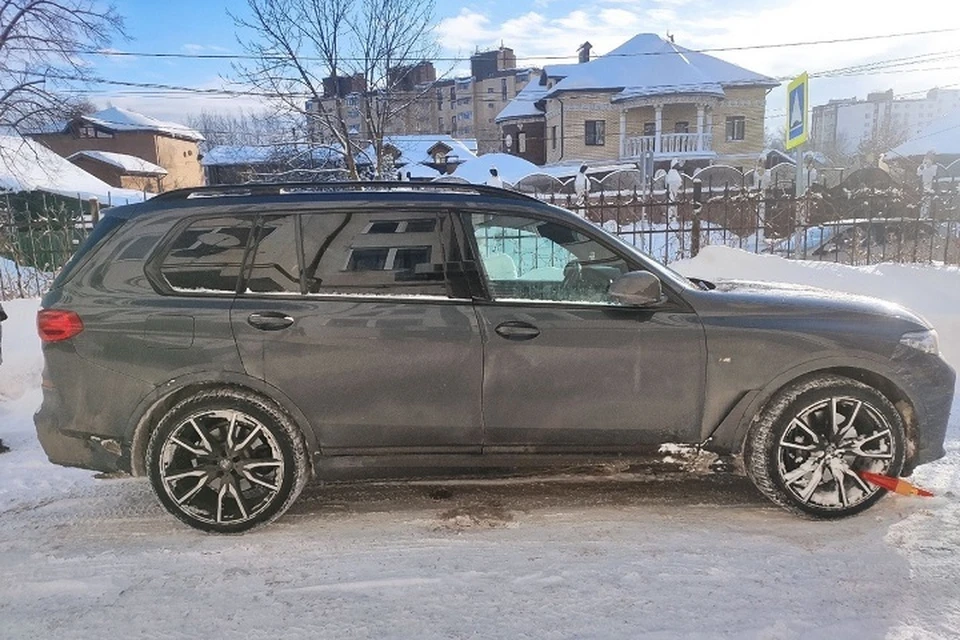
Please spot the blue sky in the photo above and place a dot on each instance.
(555, 27)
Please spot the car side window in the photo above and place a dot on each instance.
(383, 252)
(206, 257)
(274, 266)
(530, 259)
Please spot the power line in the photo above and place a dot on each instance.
(676, 51)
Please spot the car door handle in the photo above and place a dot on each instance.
(515, 330)
(269, 321)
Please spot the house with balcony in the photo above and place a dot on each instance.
(647, 96)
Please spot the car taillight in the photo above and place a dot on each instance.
(56, 325)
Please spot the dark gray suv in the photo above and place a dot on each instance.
(231, 342)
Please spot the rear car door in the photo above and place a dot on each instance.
(566, 367)
(352, 315)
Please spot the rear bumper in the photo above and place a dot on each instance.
(73, 449)
(931, 383)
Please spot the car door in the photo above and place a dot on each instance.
(566, 367)
(362, 329)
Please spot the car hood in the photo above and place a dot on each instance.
(805, 299)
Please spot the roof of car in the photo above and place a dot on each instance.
(296, 192)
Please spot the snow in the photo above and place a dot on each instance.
(648, 65)
(511, 168)
(524, 105)
(419, 171)
(414, 149)
(26, 165)
(609, 556)
(227, 155)
(119, 119)
(129, 164)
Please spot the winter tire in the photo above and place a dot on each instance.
(807, 447)
(226, 461)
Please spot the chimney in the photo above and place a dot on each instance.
(584, 52)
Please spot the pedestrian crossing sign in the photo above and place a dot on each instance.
(797, 95)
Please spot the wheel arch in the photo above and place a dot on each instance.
(730, 435)
(166, 396)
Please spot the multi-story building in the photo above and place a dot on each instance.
(463, 107)
(120, 132)
(647, 96)
(846, 123)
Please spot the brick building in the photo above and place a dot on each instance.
(646, 96)
(174, 147)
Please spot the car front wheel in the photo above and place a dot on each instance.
(808, 448)
(226, 461)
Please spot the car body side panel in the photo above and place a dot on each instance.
(373, 373)
(601, 378)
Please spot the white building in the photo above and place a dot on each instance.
(849, 121)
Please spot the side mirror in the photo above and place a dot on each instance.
(637, 288)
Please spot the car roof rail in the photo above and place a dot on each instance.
(293, 188)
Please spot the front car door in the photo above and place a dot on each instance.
(567, 368)
(352, 315)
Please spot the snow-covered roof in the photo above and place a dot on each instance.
(419, 171)
(648, 65)
(414, 149)
(942, 136)
(131, 165)
(524, 105)
(226, 155)
(250, 155)
(26, 165)
(510, 168)
(119, 119)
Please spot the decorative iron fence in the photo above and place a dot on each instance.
(857, 226)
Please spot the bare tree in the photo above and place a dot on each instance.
(40, 45)
(298, 44)
(244, 129)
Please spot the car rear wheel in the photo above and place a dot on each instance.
(811, 443)
(226, 461)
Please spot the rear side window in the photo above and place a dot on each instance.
(206, 257)
(375, 253)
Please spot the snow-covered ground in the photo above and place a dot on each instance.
(674, 557)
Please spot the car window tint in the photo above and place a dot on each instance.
(207, 255)
(374, 252)
(530, 259)
(274, 268)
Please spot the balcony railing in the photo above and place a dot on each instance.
(670, 143)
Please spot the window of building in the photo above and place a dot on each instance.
(553, 137)
(206, 257)
(736, 128)
(681, 126)
(594, 131)
(440, 122)
(522, 141)
(649, 128)
(489, 89)
(503, 88)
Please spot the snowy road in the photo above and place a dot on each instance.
(678, 557)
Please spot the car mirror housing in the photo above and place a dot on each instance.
(638, 289)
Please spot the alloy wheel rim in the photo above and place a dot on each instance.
(221, 467)
(825, 447)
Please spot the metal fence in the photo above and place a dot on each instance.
(857, 226)
(38, 234)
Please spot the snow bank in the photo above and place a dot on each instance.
(22, 361)
(931, 291)
(511, 168)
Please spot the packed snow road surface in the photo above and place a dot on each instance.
(598, 557)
